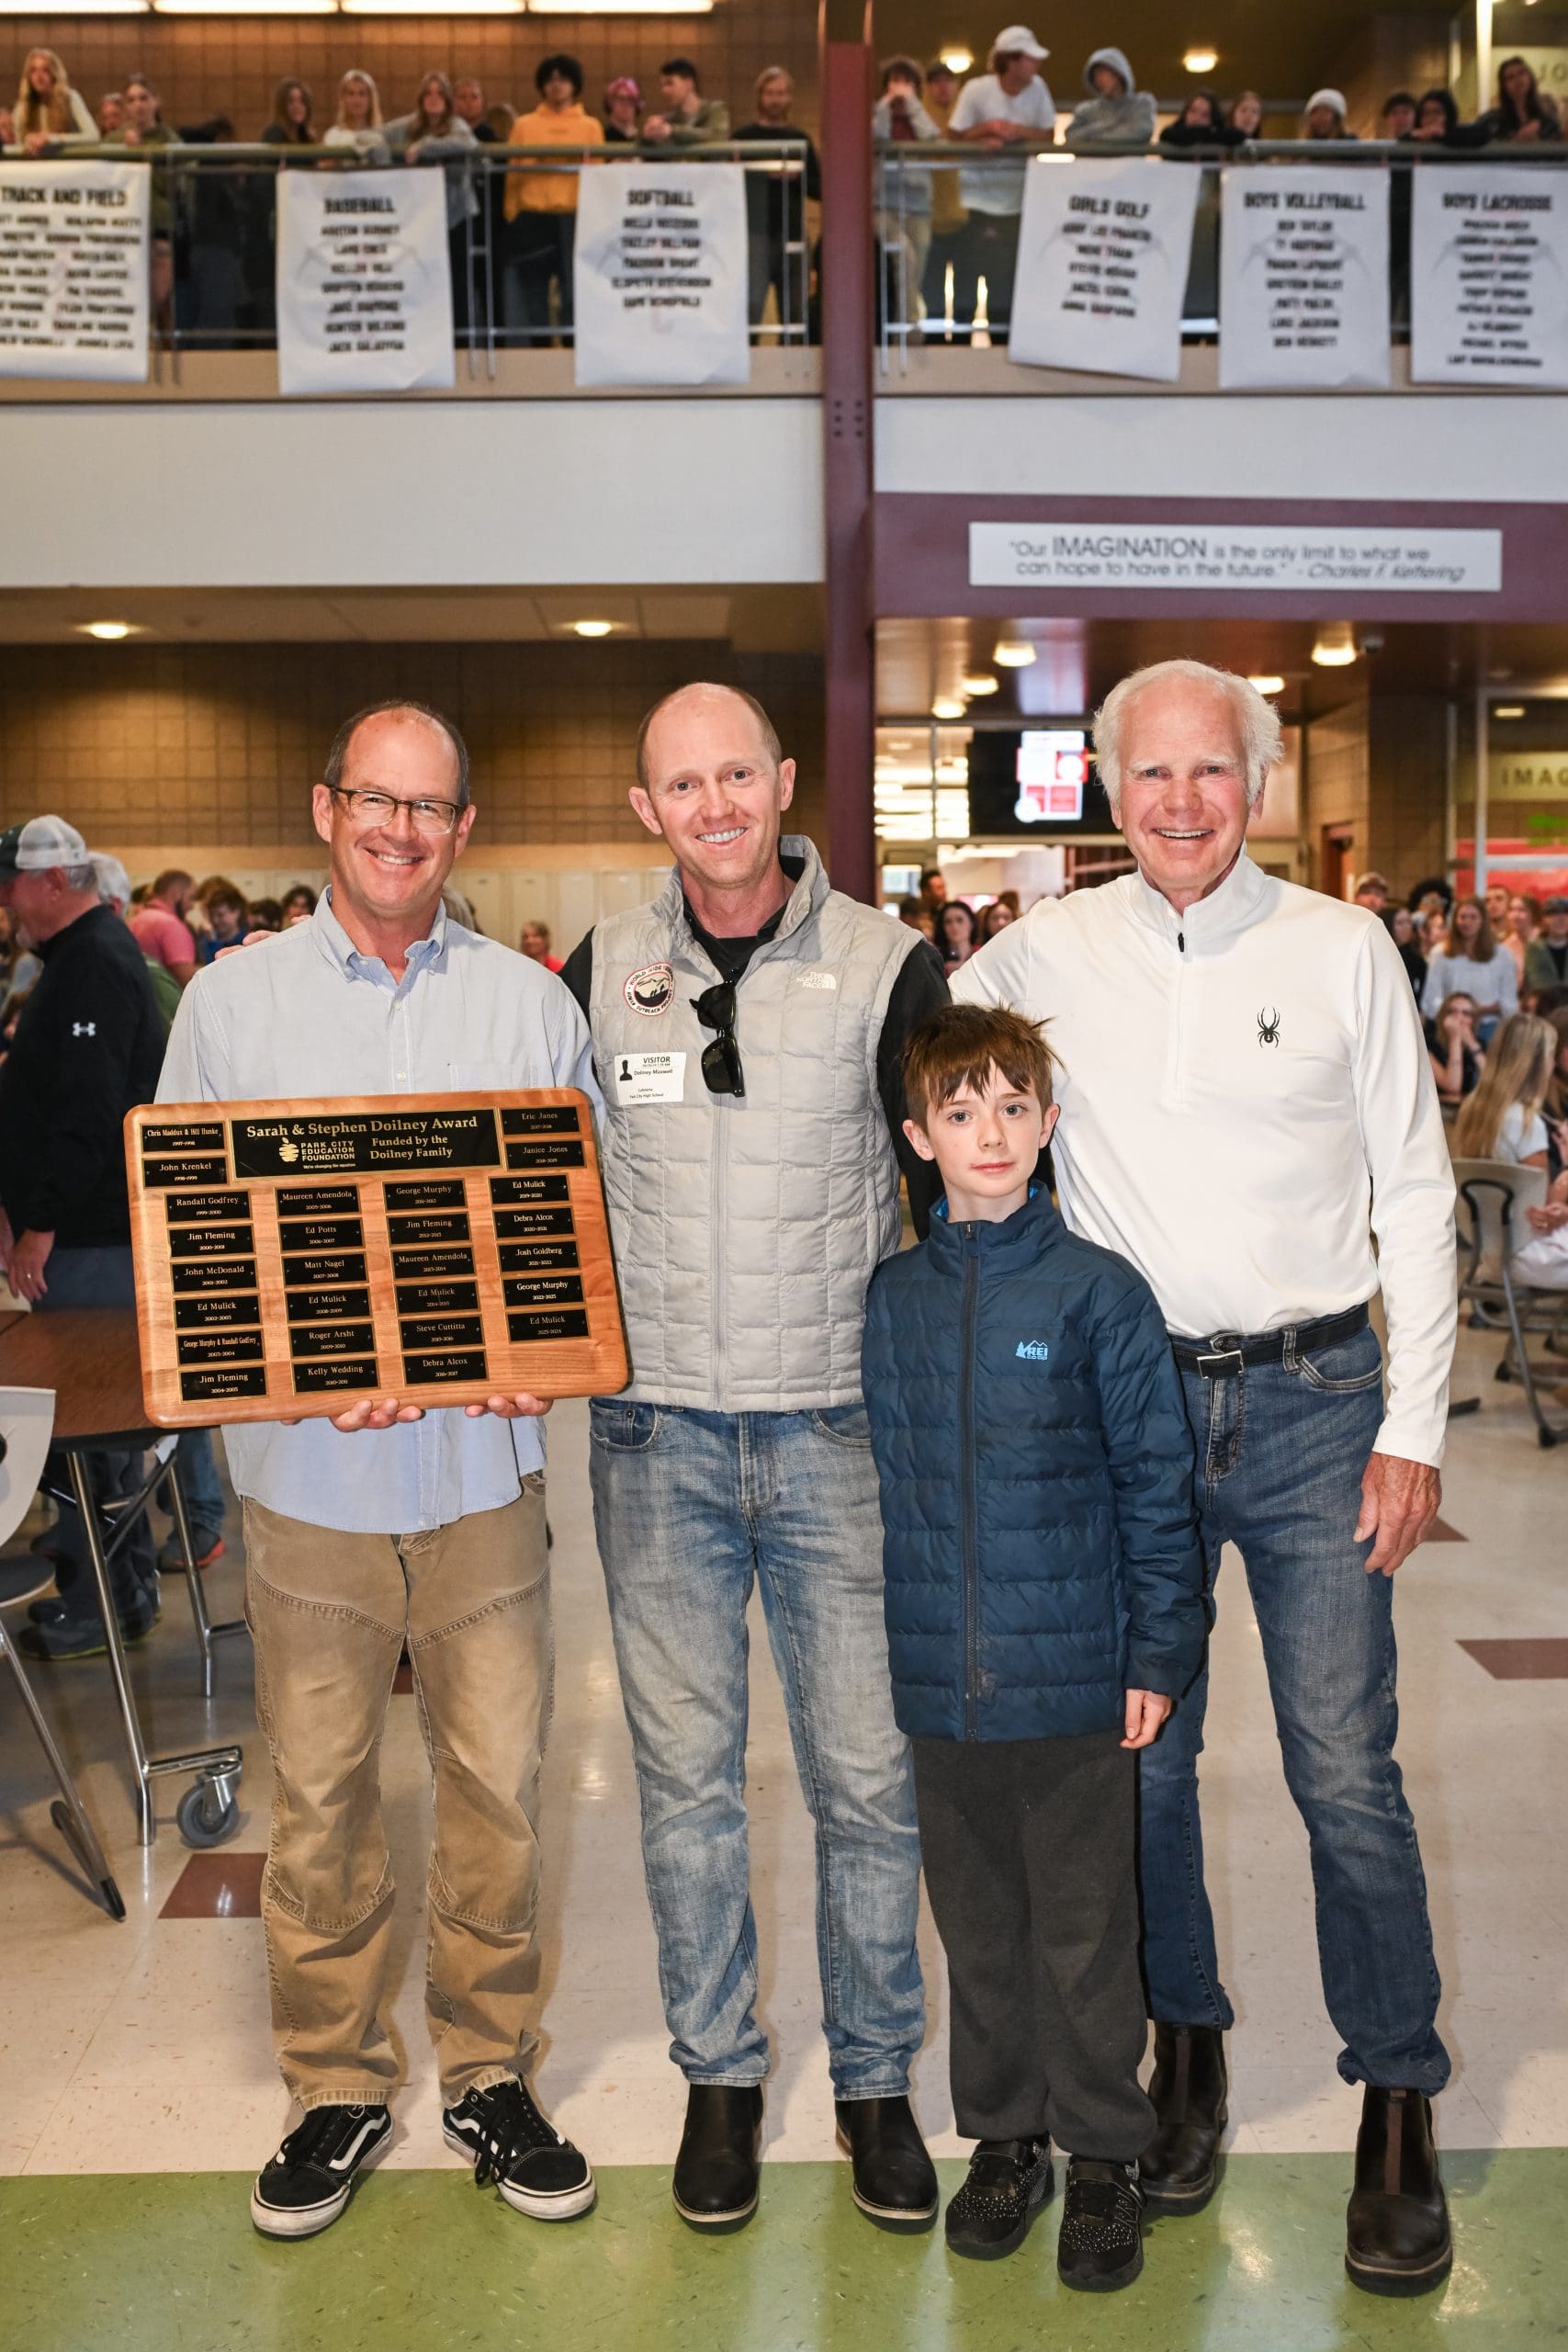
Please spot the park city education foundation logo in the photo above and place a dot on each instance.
(651, 990)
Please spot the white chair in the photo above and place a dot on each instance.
(1493, 1196)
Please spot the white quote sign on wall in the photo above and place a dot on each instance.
(74, 241)
(364, 282)
(1102, 259)
(1252, 558)
(1303, 276)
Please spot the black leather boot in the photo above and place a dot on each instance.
(1180, 2167)
(1396, 2230)
(715, 2171)
(895, 2180)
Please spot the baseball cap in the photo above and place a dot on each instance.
(41, 842)
(1017, 39)
(1556, 905)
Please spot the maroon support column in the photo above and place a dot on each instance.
(847, 315)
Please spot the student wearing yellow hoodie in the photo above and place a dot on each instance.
(541, 204)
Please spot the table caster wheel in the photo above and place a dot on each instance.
(207, 1814)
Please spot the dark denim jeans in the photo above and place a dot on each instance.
(692, 1508)
(96, 1278)
(1281, 1450)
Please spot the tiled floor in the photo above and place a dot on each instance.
(142, 2048)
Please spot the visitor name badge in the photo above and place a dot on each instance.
(649, 1077)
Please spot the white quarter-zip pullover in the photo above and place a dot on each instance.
(1246, 1106)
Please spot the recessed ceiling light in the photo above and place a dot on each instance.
(1013, 652)
(947, 707)
(957, 58)
(1267, 683)
(1508, 711)
(108, 631)
(1201, 57)
(1333, 648)
(592, 628)
(980, 681)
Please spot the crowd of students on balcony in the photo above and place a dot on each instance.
(511, 231)
(934, 221)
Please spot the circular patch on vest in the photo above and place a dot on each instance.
(652, 989)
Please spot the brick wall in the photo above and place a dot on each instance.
(219, 743)
(207, 65)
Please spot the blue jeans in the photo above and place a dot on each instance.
(691, 1507)
(96, 1278)
(1281, 1450)
(202, 1487)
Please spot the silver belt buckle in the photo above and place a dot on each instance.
(1222, 1360)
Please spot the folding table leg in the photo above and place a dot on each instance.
(69, 1814)
(207, 1633)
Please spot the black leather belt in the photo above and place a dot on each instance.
(1221, 1357)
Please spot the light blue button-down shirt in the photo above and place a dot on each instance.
(308, 1015)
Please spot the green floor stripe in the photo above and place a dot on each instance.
(169, 2263)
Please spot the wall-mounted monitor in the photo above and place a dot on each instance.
(1035, 781)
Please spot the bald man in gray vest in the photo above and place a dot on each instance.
(748, 1029)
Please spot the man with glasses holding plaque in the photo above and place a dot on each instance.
(748, 1027)
(428, 1531)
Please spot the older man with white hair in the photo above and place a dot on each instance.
(1248, 1116)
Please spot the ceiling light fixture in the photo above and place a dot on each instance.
(107, 632)
(980, 681)
(957, 58)
(1334, 647)
(1508, 711)
(1202, 58)
(947, 707)
(1266, 683)
(592, 628)
(1013, 652)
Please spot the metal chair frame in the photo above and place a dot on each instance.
(1495, 1191)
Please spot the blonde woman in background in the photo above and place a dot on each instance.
(48, 113)
(1520, 924)
(1503, 1120)
(358, 123)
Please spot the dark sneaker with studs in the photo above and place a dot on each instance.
(1102, 2244)
(311, 2178)
(1008, 2182)
(535, 2168)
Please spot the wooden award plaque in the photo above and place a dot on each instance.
(294, 1257)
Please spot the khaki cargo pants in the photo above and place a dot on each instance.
(330, 1613)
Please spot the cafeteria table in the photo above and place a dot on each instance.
(90, 1357)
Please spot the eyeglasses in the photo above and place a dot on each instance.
(381, 809)
(721, 1059)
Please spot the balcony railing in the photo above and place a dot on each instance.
(932, 287)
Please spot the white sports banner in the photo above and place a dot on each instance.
(660, 286)
(73, 270)
(1304, 275)
(1103, 257)
(364, 282)
(1489, 276)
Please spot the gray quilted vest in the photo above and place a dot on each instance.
(746, 1229)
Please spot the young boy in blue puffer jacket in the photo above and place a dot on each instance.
(1044, 1611)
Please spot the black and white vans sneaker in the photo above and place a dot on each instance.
(535, 2168)
(311, 2178)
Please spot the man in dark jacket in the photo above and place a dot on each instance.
(89, 1043)
(1043, 1585)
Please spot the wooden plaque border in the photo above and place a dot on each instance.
(250, 1361)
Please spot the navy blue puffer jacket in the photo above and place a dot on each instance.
(1041, 1550)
